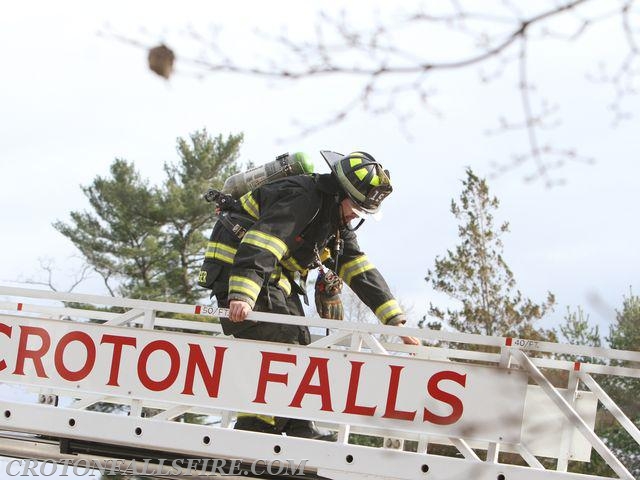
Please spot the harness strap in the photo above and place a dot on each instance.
(237, 229)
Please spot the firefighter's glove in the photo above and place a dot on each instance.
(327, 295)
(398, 320)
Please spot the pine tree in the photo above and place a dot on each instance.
(577, 330)
(204, 162)
(147, 241)
(476, 274)
(624, 334)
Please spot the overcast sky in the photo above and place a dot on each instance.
(72, 101)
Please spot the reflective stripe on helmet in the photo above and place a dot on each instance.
(363, 180)
(355, 159)
(351, 190)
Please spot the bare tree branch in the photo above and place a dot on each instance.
(393, 69)
(48, 266)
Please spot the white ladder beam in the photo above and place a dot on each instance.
(618, 414)
(577, 421)
(126, 317)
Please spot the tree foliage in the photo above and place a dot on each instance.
(147, 241)
(576, 329)
(477, 276)
(203, 162)
(624, 334)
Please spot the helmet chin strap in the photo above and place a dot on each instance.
(353, 229)
(347, 224)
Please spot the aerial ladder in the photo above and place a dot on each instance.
(104, 378)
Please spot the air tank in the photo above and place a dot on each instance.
(283, 166)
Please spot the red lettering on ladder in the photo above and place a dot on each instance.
(211, 379)
(118, 342)
(35, 355)
(322, 389)
(437, 394)
(89, 361)
(352, 393)
(267, 376)
(158, 365)
(5, 329)
(392, 396)
(174, 369)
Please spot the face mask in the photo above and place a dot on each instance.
(364, 215)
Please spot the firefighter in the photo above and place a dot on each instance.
(262, 249)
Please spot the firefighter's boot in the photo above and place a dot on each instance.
(254, 424)
(307, 429)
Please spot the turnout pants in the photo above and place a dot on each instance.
(274, 300)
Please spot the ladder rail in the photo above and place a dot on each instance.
(372, 339)
(426, 334)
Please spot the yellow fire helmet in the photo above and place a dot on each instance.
(361, 177)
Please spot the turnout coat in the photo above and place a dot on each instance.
(261, 250)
